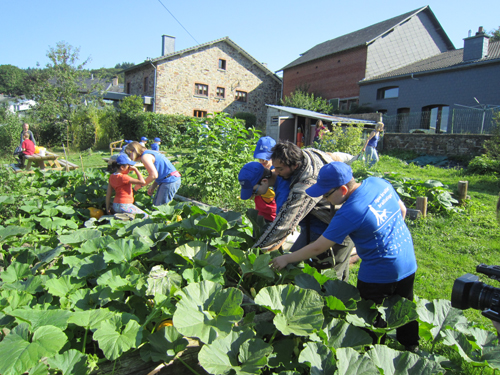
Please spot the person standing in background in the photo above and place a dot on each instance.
(370, 147)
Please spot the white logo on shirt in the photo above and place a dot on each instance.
(380, 215)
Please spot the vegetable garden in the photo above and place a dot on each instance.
(77, 291)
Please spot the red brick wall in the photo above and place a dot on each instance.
(334, 76)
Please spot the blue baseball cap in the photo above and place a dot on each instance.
(123, 159)
(249, 176)
(157, 139)
(143, 139)
(330, 176)
(263, 148)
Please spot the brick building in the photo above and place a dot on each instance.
(217, 76)
(334, 68)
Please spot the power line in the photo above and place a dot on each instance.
(178, 22)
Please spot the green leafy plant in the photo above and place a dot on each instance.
(342, 139)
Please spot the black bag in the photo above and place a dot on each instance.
(18, 151)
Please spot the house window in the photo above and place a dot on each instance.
(388, 93)
(200, 89)
(348, 104)
(128, 88)
(198, 113)
(435, 117)
(241, 96)
(146, 81)
(222, 64)
(221, 92)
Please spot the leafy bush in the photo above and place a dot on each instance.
(249, 118)
(300, 98)
(217, 154)
(10, 132)
(342, 139)
(483, 164)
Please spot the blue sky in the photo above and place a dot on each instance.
(272, 31)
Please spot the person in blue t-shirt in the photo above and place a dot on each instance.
(155, 146)
(373, 216)
(160, 170)
(370, 148)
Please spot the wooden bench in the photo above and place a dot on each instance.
(64, 162)
(116, 146)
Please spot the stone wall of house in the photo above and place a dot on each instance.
(436, 144)
(178, 75)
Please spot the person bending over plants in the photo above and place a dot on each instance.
(373, 216)
(166, 178)
(122, 183)
(300, 168)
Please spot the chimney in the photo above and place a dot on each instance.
(115, 81)
(167, 44)
(476, 47)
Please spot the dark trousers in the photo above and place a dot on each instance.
(407, 335)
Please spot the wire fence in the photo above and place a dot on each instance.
(440, 120)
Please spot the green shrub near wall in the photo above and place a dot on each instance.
(10, 132)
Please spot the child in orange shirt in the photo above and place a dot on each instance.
(122, 183)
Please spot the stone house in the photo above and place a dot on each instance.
(334, 68)
(452, 92)
(217, 76)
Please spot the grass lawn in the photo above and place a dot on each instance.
(450, 246)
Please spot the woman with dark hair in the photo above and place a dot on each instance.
(166, 178)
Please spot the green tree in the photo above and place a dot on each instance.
(58, 90)
(495, 35)
(12, 80)
(342, 139)
(300, 98)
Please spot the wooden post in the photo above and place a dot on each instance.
(422, 205)
(84, 177)
(462, 190)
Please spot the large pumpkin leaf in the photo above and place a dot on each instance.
(319, 358)
(238, 351)
(341, 334)
(207, 311)
(84, 266)
(114, 341)
(71, 362)
(350, 362)
(95, 245)
(12, 230)
(52, 223)
(18, 353)
(436, 316)
(163, 345)
(124, 250)
(394, 362)
(40, 318)
(63, 285)
(215, 222)
(151, 233)
(90, 319)
(397, 311)
(16, 271)
(298, 311)
(79, 236)
(162, 281)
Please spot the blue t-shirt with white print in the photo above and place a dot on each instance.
(372, 217)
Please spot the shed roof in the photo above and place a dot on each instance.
(320, 116)
(364, 37)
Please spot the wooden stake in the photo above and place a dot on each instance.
(422, 205)
(84, 177)
(462, 190)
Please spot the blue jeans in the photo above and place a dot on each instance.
(371, 155)
(128, 208)
(166, 192)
